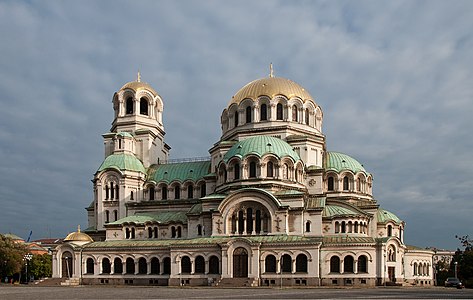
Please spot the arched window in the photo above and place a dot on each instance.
(252, 169)
(179, 233)
(390, 230)
(155, 266)
(235, 118)
(199, 265)
(143, 106)
(344, 227)
(391, 253)
(286, 264)
(348, 263)
(334, 264)
(355, 227)
(270, 169)
(190, 192)
(301, 263)
(248, 114)
(285, 171)
(164, 193)
(173, 232)
(115, 215)
(203, 191)
(249, 220)
(330, 184)
(131, 196)
(142, 266)
(150, 232)
(130, 266)
(263, 112)
(362, 264)
(307, 226)
(177, 192)
(117, 266)
(186, 264)
(294, 113)
(199, 229)
(129, 106)
(112, 191)
(90, 266)
(270, 264)
(241, 222)
(151, 193)
(116, 192)
(106, 192)
(337, 227)
(307, 115)
(279, 112)
(167, 265)
(127, 233)
(106, 267)
(107, 216)
(155, 231)
(236, 171)
(214, 265)
(132, 232)
(345, 183)
(415, 268)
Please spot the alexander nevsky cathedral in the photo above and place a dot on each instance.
(270, 206)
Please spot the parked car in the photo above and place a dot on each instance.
(453, 282)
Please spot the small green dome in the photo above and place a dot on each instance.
(385, 216)
(338, 211)
(259, 146)
(122, 161)
(338, 162)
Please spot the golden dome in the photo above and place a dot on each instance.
(270, 86)
(139, 85)
(78, 236)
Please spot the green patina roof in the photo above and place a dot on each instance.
(179, 171)
(385, 216)
(259, 146)
(202, 241)
(337, 211)
(345, 239)
(162, 218)
(315, 202)
(127, 134)
(122, 161)
(339, 162)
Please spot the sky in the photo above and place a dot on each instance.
(393, 78)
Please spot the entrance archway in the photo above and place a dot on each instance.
(240, 263)
(67, 265)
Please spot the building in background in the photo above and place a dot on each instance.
(270, 206)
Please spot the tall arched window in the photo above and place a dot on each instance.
(116, 191)
(130, 266)
(164, 193)
(270, 169)
(129, 106)
(252, 169)
(307, 226)
(199, 265)
(270, 264)
(107, 192)
(235, 118)
(362, 264)
(179, 231)
(248, 114)
(186, 264)
(155, 267)
(345, 183)
(177, 192)
(330, 184)
(279, 112)
(294, 113)
(190, 192)
(263, 112)
(415, 269)
(199, 229)
(112, 191)
(214, 265)
(117, 266)
(151, 193)
(236, 171)
(390, 230)
(107, 216)
(307, 115)
(173, 231)
(286, 264)
(90, 266)
(167, 265)
(334, 264)
(285, 171)
(203, 191)
(301, 263)
(142, 266)
(143, 106)
(132, 197)
(106, 267)
(115, 215)
(348, 263)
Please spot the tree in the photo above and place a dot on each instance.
(40, 266)
(11, 256)
(465, 260)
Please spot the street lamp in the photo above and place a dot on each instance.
(456, 265)
(27, 259)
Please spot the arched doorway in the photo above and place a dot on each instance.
(67, 265)
(240, 263)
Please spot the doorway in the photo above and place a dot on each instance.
(240, 263)
(67, 265)
(392, 274)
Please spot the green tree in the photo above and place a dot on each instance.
(464, 258)
(40, 266)
(11, 256)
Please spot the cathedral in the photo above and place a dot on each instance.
(270, 206)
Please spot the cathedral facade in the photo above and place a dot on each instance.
(271, 205)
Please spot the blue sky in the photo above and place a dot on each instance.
(394, 79)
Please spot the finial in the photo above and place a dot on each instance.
(139, 76)
(271, 74)
(78, 228)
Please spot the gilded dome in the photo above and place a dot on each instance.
(271, 86)
(78, 237)
(138, 85)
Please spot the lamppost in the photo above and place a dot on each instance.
(456, 265)
(27, 259)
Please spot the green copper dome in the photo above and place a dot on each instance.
(338, 211)
(259, 146)
(179, 171)
(385, 216)
(122, 161)
(338, 162)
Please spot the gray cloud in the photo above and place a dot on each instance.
(393, 79)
